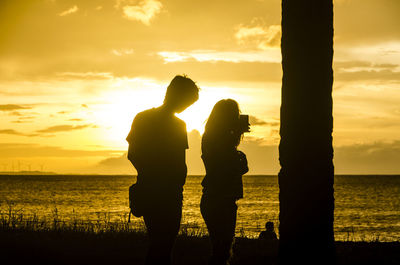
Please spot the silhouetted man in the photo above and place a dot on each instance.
(269, 233)
(157, 147)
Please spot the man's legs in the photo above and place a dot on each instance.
(162, 222)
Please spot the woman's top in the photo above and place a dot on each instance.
(224, 166)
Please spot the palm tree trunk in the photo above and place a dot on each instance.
(305, 150)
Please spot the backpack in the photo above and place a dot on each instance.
(136, 201)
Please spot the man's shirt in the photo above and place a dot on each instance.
(157, 145)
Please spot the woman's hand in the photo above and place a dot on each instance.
(243, 168)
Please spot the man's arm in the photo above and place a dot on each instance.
(135, 139)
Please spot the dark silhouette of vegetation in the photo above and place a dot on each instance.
(37, 240)
(305, 150)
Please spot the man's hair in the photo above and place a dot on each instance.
(269, 225)
(182, 88)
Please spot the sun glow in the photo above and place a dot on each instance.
(196, 115)
(128, 97)
(119, 106)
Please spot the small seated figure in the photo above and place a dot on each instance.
(269, 233)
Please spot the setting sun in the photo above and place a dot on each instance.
(116, 109)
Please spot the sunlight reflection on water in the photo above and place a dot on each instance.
(366, 207)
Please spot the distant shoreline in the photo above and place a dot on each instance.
(42, 173)
(11, 173)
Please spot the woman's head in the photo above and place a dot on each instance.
(224, 119)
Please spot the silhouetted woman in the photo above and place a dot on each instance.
(222, 185)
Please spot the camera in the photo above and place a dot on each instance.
(244, 125)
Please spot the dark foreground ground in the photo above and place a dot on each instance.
(58, 247)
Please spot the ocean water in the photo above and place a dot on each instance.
(366, 207)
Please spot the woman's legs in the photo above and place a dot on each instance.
(220, 218)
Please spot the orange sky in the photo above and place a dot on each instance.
(74, 73)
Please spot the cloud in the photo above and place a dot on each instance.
(379, 18)
(21, 121)
(228, 72)
(363, 70)
(59, 44)
(369, 158)
(120, 52)
(115, 162)
(219, 66)
(69, 11)
(12, 107)
(86, 75)
(114, 165)
(27, 118)
(143, 12)
(352, 66)
(368, 75)
(76, 119)
(15, 113)
(14, 132)
(262, 158)
(221, 56)
(256, 121)
(264, 37)
(63, 128)
(12, 150)
(10, 131)
(193, 158)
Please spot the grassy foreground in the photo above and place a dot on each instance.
(66, 247)
(33, 241)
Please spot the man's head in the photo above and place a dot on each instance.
(269, 226)
(181, 93)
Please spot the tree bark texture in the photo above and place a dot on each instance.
(305, 150)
